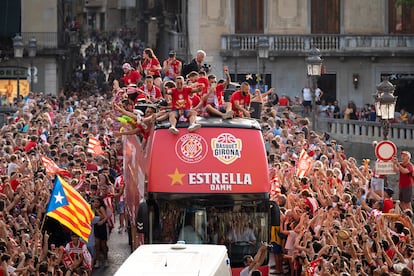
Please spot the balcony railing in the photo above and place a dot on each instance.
(340, 45)
(52, 40)
(366, 132)
(95, 3)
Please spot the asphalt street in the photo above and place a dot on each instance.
(119, 250)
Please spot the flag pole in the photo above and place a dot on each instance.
(43, 223)
(47, 207)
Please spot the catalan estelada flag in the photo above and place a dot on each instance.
(94, 146)
(68, 207)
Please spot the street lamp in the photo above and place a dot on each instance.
(385, 104)
(262, 53)
(314, 68)
(235, 48)
(32, 53)
(18, 54)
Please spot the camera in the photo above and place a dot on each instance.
(206, 68)
(137, 58)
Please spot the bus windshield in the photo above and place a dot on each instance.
(239, 225)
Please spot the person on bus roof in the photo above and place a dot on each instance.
(181, 106)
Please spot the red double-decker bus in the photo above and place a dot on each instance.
(210, 186)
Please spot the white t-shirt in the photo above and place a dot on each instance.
(11, 168)
(290, 241)
(245, 271)
(307, 94)
(318, 94)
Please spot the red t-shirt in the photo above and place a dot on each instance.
(180, 99)
(14, 184)
(30, 145)
(149, 66)
(204, 81)
(91, 167)
(388, 205)
(131, 77)
(153, 93)
(220, 93)
(195, 100)
(244, 101)
(173, 69)
(406, 179)
(283, 101)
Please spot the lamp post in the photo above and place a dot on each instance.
(385, 108)
(235, 47)
(32, 53)
(262, 53)
(18, 54)
(314, 68)
(385, 104)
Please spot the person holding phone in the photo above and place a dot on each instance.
(213, 101)
(78, 253)
(171, 67)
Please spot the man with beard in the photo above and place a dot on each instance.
(240, 101)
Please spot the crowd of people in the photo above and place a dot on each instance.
(334, 218)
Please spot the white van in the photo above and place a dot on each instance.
(177, 259)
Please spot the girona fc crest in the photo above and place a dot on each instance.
(226, 148)
(191, 148)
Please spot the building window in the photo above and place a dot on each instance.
(401, 18)
(249, 16)
(325, 16)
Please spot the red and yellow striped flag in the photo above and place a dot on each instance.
(68, 207)
(52, 168)
(304, 164)
(94, 146)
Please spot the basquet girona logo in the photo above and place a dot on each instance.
(191, 148)
(226, 148)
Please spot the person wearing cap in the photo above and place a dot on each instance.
(131, 76)
(406, 179)
(171, 67)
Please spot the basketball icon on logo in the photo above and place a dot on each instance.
(226, 148)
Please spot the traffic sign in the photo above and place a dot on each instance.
(384, 168)
(385, 150)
